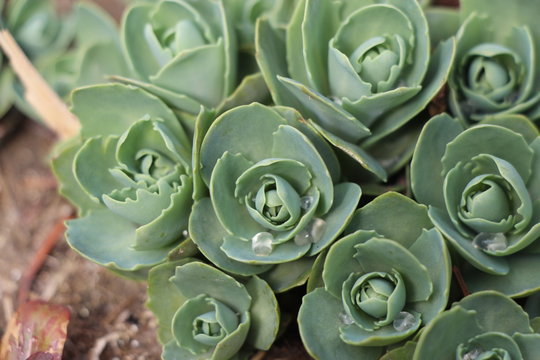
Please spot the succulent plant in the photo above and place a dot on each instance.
(184, 51)
(94, 52)
(495, 71)
(206, 314)
(130, 177)
(482, 186)
(388, 276)
(360, 70)
(274, 203)
(39, 30)
(247, 12)
(485, 325)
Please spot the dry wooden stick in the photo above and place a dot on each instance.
(38, 93)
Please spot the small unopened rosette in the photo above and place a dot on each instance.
(206, 314)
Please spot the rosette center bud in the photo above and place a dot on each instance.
(487, 198)
(374, 299)
(493, 71)
(203, 321)
(377, 61)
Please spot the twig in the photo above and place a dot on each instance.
(39, 259)
(100, 345)
(38, 93)
(461, 281)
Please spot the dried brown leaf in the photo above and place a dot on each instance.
(37, 331)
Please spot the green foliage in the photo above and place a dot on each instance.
(210, 315)
(361, 70)
(496, 66)
(77, 49)
(273, 198)
(483, 196)
(485, 325)
(129, 175)
(380, 283)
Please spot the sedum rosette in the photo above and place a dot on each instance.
(93, 54)
(38, 30)
(482, 186)
(360, 70)
(183, 51)
(274, 203)
(130, 177)
(387, 277)
(486, 325)
(206, 314)
(497, 60)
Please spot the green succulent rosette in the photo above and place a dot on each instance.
(485, 325)
(482, 186)
(184, 51)
(495, 71)
(206, 314)
(94, 54)
(37, 27)
(274, 202)
(130, 177)
(386, 278)
(361, 70)
(38, 30)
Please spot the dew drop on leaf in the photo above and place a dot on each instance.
(302, 238)
(317, 229)
(345, 318)
(404, 321)
(472, 355)
(261, 243)
(306, 202)
(490, 241)
(312, 233)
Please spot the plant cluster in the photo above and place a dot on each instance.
(360, 150)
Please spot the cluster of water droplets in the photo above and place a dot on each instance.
(490, 241)
(472, 355)
(262, 242)
(404, 321)
(312, 233)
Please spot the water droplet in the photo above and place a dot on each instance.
(185, 233)
(472, 355)
(261, 243)
(302, 238)
(346, 319)
(404, 321)
(312, 233)
(318, 227)
(306, 202)
(490, 241)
